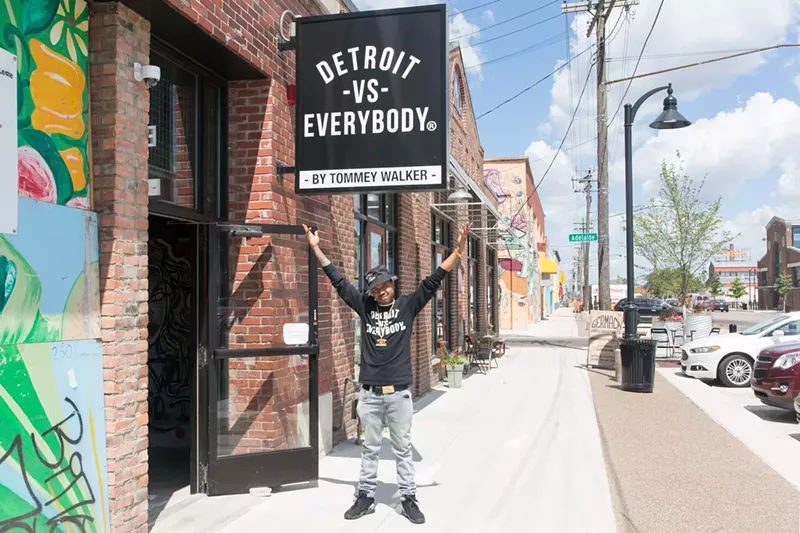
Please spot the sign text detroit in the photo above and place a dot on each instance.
(368, 121)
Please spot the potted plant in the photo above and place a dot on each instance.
(454, 363)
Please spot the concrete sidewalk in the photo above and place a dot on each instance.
(561, 324)
(673, 469)
(515, 450)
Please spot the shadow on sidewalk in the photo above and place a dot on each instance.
(602, 372)
(773, 414)
(426, 399)
(386, 493)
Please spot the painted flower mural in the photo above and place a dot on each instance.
(50, 39)
(71, 25)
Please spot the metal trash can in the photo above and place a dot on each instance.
(732, 328)
(638, 358)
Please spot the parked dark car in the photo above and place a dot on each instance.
(776, 375)
(720, 305)
(649, 308)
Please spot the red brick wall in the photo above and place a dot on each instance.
(466, 148)
(415, 262)
(119, 110)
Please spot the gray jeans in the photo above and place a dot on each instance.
(396, 411)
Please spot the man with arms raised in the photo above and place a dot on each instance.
(386, 375)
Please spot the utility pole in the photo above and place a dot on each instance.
(600, 15)
(585, 227)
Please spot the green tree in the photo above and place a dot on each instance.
(737, 289)
(782, 286)
(666, 282)
(714, 285)
(679, 229)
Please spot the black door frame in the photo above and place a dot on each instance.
(207, 178)
(235, 474)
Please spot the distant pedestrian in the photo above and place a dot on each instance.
(386, 376)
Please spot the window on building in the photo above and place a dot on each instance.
(796, 277)
(458, 87)
(440, 245)
(376, 232)
(796, 236)
(472, 285)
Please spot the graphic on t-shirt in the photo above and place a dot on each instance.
(383, 325)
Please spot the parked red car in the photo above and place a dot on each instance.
(776, 375)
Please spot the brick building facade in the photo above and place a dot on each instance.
(782, 257)
(181, 174)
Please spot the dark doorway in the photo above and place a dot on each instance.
(172, 359)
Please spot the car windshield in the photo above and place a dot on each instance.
(763, 326)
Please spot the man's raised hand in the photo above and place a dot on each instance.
(462, 239)
(312, 236)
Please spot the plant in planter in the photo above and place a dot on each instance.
(454, 363)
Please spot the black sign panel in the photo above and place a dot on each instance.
(372, 101)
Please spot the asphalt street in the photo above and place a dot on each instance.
(742, 319)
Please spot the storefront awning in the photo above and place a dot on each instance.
(487, 221)
(546, 266)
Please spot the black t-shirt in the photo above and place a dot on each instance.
(386, 330)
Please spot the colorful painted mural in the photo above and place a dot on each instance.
(49, 276)
(52, 439)
(518, 271)
(51, 41)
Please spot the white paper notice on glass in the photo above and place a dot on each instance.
(295, 334)
(9, 177)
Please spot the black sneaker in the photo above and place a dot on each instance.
(411, 510)
(363, 505)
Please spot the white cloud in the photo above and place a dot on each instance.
(753, 141)
(488, 15)
(729, 149)
(460, 26)
(750, 225)
(737, 24)
(461, 30)
(797, 82)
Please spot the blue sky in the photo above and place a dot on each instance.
(746, 111)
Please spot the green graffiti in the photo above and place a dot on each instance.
(55, 491)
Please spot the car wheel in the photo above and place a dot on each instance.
(735, 371)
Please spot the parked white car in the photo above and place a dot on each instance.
(730, 357)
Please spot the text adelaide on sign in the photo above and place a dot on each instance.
(371, 116)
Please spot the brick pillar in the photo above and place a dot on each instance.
(415, 263)
(119, 108)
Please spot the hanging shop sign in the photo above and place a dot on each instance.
(372, 101)
(9, 175)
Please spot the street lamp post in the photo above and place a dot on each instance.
(669, 119)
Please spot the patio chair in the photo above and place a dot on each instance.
(469, 353)
(486, 352)
(664, 340)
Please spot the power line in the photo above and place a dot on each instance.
(539, 23)
(563, 140)
(538, 46)
(638, 60)
(476, 7)
(706, 62)
(509, 20)
(529, 87)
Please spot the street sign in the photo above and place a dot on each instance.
(582, 237)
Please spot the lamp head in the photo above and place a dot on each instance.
(670, 118)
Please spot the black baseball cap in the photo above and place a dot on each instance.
(378, 276)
